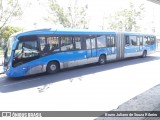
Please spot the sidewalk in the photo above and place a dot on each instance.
(147, 101)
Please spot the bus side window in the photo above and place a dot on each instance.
(152, 40)
(101, 41)
(77, 41)
(112, 41)
(108, 41)
(93, 42)
(42, 43)
(90, 42)
(149, 41)
(133, 40)
(66, 43)
(138, 40)
(127, 41)
(141, 40)
(53, 44)
(145, 39)
(49, 44)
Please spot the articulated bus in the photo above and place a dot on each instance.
(49, 50)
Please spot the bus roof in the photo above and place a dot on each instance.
(50, 31)
(63, 32)
(140, 34)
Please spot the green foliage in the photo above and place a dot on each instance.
(72, 16)
(58, 14)
(9, 11)
(127, 19)
(6, 32)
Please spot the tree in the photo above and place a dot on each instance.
(9, 11)
(7, 31)
(127, 19)
(72, 16)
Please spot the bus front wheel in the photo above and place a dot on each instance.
(52, 67)
(102, 59)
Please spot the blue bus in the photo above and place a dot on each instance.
(49, 50)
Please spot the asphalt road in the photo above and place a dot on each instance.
(86, 88)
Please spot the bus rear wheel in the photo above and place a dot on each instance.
(144, 54)
(52, 67)
(102, 59)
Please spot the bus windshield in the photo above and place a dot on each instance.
(8, 50)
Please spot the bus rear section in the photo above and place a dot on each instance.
(134, 44)
(137, 44)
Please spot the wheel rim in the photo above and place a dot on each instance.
(102, 60)
(53, 67)
(144, 54)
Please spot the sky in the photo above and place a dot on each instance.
(33, 16)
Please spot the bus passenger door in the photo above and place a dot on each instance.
(91, 49)
(140, 43)
(139, 46)
(111, 49)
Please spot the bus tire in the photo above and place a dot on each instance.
(52, 67)
(102, 60)
(144, 54)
